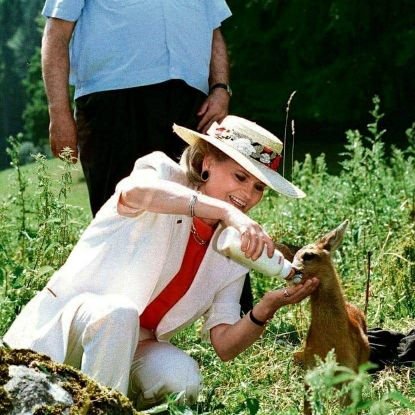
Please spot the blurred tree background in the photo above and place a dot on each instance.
(336, 54)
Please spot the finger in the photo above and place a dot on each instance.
(207, 116)
(74, 157)
(203, 122)
(306, 289)
(244, 240)
(203, 108)
(252, 244)
(270, 246)
(259, 247)
(295, 294)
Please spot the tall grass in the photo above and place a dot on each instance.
(375, 190)
(39, 229)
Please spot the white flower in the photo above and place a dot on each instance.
(265, 158)
(244, 146)
(258, 150)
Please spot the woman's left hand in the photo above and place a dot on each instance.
(273, 300)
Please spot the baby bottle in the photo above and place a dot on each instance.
(229, 244)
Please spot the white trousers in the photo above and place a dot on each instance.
(105, 343)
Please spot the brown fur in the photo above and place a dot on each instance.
(335, 324)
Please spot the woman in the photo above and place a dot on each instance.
(146, 267)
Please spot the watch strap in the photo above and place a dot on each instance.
(226, 87)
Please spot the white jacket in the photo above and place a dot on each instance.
(134, 257)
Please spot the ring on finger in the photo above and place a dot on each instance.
(286, 293)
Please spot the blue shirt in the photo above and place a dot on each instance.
(127, 43)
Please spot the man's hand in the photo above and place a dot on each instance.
(215, 108)
(62, 134)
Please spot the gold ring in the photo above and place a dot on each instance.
(286, 293)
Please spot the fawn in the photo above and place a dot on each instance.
(335, 324)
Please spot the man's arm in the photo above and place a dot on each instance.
(216, 105)
(55, 69)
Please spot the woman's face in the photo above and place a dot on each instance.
(230, 182)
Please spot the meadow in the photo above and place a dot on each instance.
(44, 208)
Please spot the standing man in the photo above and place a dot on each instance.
(137, 67)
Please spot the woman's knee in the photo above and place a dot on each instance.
(162, 369)
(184, 378)
(112, 312)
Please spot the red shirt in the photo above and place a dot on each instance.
(178, 286)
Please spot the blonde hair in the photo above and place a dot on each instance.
(193, 156)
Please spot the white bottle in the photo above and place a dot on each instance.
(229, 244)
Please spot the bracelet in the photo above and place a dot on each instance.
(255, 320)
(192, 203)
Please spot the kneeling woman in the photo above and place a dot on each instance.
(146, 267)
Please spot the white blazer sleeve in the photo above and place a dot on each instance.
(225, 308)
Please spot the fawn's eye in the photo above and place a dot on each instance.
(308, 256)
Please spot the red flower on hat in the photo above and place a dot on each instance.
(276, 162)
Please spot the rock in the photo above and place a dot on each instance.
(33, 384)
(30, 389)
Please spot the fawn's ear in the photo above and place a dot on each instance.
(333, 239)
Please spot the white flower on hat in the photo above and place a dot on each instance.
(258, 150)
(265, 158)
(244, 146)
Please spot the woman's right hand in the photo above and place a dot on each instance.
(253, 238)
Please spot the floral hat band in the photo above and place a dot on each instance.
(253, 147)
(246, 146)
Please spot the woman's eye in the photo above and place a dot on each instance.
(260, 188)
(240, 177)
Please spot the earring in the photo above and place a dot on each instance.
(205, 175)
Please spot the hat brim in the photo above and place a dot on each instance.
(263, 173)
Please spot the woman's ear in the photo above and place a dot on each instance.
(207, 162)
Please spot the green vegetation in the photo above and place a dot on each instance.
(333, 53)
(375, 190)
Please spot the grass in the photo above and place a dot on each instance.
(78, 195)
(374, 189)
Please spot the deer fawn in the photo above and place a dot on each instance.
(335, 324)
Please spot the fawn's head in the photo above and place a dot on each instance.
(311, 260)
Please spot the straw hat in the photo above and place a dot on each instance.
(251, 146)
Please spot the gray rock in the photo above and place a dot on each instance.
(32, 389)
(33, 383)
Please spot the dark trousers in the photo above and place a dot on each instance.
(117, 127)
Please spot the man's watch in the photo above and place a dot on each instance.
(226, 87)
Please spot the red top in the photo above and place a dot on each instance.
(182, 281)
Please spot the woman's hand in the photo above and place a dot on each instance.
(253, 238)
(273, 300)
(231, 339)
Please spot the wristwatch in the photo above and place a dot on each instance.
(226, 87)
